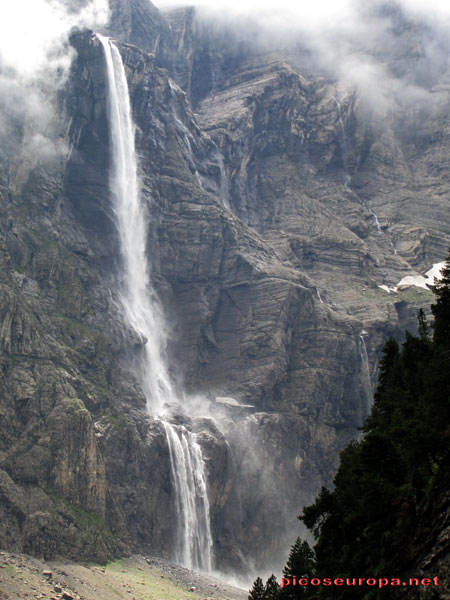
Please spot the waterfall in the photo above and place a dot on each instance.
(187, 135)
(377, 222)
(141, 308)
(181, 127)
(143, 313)
(194, 544)
(347, 177)
(344, 152)
(366, 381)
(223, 188)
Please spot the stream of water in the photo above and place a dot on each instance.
(144, 314)
(366, 380)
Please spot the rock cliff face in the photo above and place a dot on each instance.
(277, 209)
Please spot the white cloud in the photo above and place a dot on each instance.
(350, 40)
(32, 33)
(34, 60)
(428, 7)
(303, 13)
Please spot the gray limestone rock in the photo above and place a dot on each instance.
(277, 210)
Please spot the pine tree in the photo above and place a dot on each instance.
(389, 478)
(424, 330)
(389, 378)
(257, 591)
(436, 400)
(272, 590)
(441, 308)
(301, 563)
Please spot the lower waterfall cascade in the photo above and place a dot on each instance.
(367, 384)
(194, 546)
(143, 313)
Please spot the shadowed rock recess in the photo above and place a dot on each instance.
(279, 204)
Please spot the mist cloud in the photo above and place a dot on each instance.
(34, 62)
(33, 34)
(358, 43)
(320, 14)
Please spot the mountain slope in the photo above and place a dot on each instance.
(279, 204)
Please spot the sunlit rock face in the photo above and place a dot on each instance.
(280, 201)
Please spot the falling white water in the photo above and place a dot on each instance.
(194, 544)
(367, 384)
(344, 152)
(378, 225)
(142, 310)
(377, 222)
(187, 135)
(188, 138)
(347, 177)
(143, 313)
(224, 190)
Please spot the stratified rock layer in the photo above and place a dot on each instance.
(277, 209)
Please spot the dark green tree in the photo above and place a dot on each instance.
(423, 328)
(257, 591)
(300, 564)
(389, 378)
(436, 400)
(272, 589)
(441, 308)
(390, 480)
(386, 479)
(301, 561)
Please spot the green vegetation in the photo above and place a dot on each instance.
(88, 520)
(388, 480)
(257, 591)
(84, 520)
(76, 405)
(146, 584)
(74, 327)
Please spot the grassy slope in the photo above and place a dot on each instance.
(22, 577)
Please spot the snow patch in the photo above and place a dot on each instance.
(386, 288)
(435, 271)
(416, 280)
(423, 282)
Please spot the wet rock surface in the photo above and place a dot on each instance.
(267, 259)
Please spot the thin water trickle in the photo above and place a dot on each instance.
(343, 142)
(347, 177)
(143, 313)
(187, 135)
(224, 192)
(377, 222)
(224, 189)
(366, 381)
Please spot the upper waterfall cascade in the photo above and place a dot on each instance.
(141, 307)
(143, 313)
